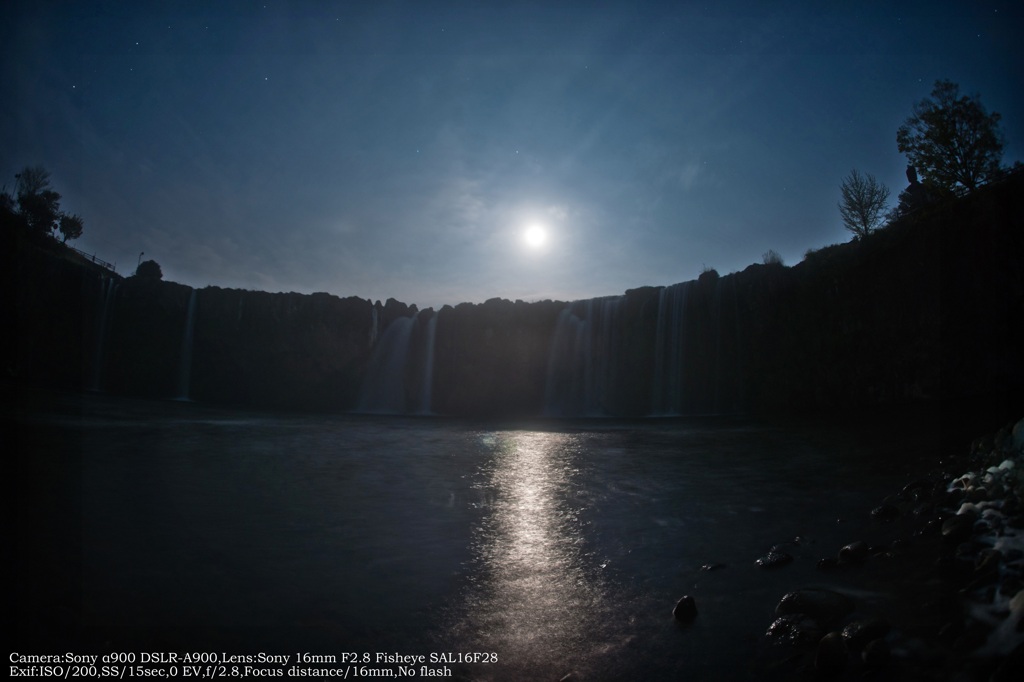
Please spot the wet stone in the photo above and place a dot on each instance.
(822, 605)
(987, 561)
(858, 633)
(1010, 587)
(685, 609)
(876, 654)
(795, 629)
(831, 656)
(853, 553)
(774, 560)
(885, 512)
(958, 528)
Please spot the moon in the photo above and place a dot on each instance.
(535, 236)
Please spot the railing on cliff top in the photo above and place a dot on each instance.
(94, 259)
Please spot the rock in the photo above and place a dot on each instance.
(977, 493)
(924, 509)
(1017, 436)
(987, 562)
(774, 560)
(875, 654)
(885, 512)
(953, 497)
(853, 553)
(685, 609)
(1011, 586)
(858, 633)
(821, 605)
(950, 631)
(957, 529)
(794, 628)
(831, 656)
(827, 564)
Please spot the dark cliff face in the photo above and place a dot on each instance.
(491, 359)
(927, 310)
(278, 350)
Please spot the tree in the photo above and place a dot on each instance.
(70, 226)
(149, 269)
(772, 257)
(38, 204)
(31, 180)
(863, 203)
(37, 207)
(951, 139)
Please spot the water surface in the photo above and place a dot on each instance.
(558, 546)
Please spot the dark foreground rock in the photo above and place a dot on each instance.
(946, 594)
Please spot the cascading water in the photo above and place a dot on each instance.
(697, 350)
(670, 350)
(108, 288)
(728, 375)
(427, 384)
(185, 363)
(374, 325)
(582, 361)
(383, 388)
(400, 376)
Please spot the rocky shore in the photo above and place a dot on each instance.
(935, 591)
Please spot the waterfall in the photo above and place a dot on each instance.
(185, 363)
(108, 287)
(670, 350)
(374, 324)
(581, 373)
(697, 350)
(383, 388)
(728, 373)
(427, 382)
(400, 375)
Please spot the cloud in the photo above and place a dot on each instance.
(688, 174)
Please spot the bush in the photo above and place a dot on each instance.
(771, 257)
(149, 269)
(708, 275)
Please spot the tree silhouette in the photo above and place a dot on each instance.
(951, 139)
(36, 206)
(149, 269)
(70, 226)
(863, 203)
(31, 180)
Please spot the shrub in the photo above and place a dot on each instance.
(771, 257)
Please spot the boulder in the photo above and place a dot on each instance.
(957, 529)
(794, 628)
(885, 512)
(774, 560)
(685, 609)
(853, 553)
(875, 654)
(831, 656)
(858, 633)
(821, 605)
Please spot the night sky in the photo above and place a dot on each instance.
(403, 150)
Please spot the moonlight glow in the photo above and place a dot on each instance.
(535, 236)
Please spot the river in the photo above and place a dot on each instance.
(552, 546)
